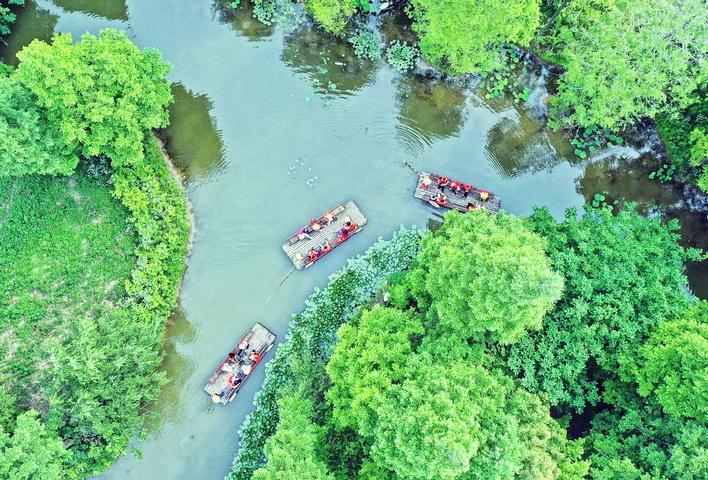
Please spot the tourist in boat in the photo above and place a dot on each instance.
(471, 207)
(456, 187)
(246, 369)
(351, 227)
(216, 397)
(443, 182)
(234, 380)
(329, 217)
(229, 364)
(315, 225)
(484, 195)
(426, 182)
(302, 234)
(242, 346)
(255, 356)
(441, 199)
(313, 254)
(326, 247)
(467, 188)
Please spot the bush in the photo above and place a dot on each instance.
(333, 15)
(314, 331)
(366, 45)
(402, 56)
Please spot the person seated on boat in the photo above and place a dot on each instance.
(471, 207)
(302, 234)
(242, 346)
(234, 380)
(467, 188)
(329, 217)
(441, 199)
(484, 196)
(350, 226)
(255, 356)
(426, 182)
(216, 397)
(315, 225)
(313, 254)
(228, 365)
(442, 182)
(456, 187)
(246, 369)
(326, 247)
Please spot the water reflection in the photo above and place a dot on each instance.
(241, 20)
(519, 144)
(178, 368)
(193, 141)
(428, 111)
(328, 63)
(32, 22)
(628, 181)
(108, 9)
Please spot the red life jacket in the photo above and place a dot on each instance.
(442, 181)
(467, 187)
(352, 228)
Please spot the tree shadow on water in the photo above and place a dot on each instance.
(242, 21)
(108, 9)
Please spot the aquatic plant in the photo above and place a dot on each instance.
(313, 333)
(366, 45)
(402, 56)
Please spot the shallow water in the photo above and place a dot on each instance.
(272, 128)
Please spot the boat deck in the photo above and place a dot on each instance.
(298, 250)
(455, 201)
(259, 339)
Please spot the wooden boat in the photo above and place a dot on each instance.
(259, 339)
(475, 198)
(329, 234)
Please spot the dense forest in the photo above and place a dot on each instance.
(511, 348)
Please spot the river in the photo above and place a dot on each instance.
(273, 127)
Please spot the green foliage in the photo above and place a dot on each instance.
(506, 78)
(332, 15)
(103, 94)
(31, 452)
(485, 276)
(684, 134)
(590, 139)
(623, 277)
(366, 45)
(292, 451)
(370, 355)
(313, 332)
(30, 144)
(7, 18)
(625, 60)
(673, 366)
(460, 36)
(402, 56)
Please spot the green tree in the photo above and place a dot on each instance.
(7, 18)
(627, 60)
(333, 15)
(103, 94)
(30, 144)
(485, 276)
(673, 366)
(623, 276)
(292, 452)
(32, 452)
(460, 36)
(371, 354)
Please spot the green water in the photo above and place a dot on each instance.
(271, 128)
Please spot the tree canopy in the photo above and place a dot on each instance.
(103, 94)
(461, 36)
(485, 276)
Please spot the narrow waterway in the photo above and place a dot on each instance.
(272, 128)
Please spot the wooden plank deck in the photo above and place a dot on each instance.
(457, 201)
(259, 339)
(298, 250)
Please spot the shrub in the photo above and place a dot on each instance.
(402, 56)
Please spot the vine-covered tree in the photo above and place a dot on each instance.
(485, 277)
(103, 93)
(623, 276)
(460, 36)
